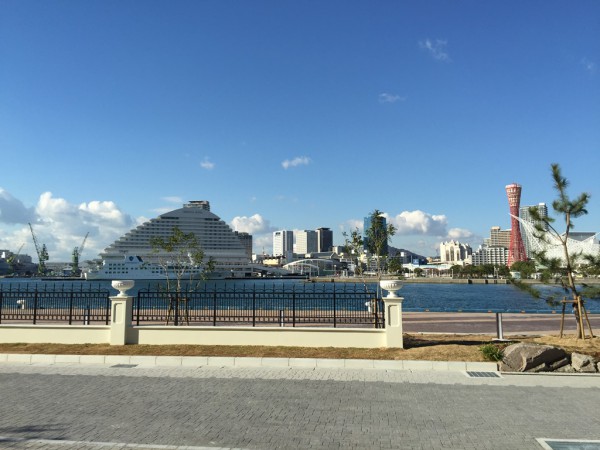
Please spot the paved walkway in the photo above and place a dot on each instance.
(485, 323)
(89, 407)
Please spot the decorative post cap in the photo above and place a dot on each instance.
(391, 286)
(122, 286)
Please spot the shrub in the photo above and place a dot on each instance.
(492, 352)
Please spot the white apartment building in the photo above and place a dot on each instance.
(490, 255)
(283, 243)
(307, 241)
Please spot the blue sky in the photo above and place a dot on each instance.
(292, 115)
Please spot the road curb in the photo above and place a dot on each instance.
(267, 362)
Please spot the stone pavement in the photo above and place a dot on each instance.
(102, 407)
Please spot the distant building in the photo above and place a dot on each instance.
(215, 237)
(498, 238)
(455, 253)
(306, 242)
(490, 255)
(283, 243)
(324, 240)
(246, 240)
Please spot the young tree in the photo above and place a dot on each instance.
(378, 235)
(354, 246)
(564, 268)
(182, 260)
(395, 266)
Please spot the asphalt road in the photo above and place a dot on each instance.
(89, 407)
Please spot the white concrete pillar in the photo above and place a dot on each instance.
(393, 321)
(121, 312)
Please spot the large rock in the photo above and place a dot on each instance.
(583, 363)
(524, 357)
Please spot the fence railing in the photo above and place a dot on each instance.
(55, 306)
(309, 306)
(261, 307)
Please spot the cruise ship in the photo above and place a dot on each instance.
(132, 256)
(135, 268)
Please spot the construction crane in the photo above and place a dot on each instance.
(42, 253)
(13, 259)
(77, 251)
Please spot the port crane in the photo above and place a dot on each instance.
(77, 251)
(42, 253)
(13, 259)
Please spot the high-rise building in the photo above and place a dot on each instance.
(246, 240)
(324, 240)
(490, 255)
(216, 238)
(283, 243)
(525, 215)
(498, 238)
(516, 249)
(306, 242)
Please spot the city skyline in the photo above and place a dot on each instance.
(114, 112)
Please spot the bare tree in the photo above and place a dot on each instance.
(182, 260)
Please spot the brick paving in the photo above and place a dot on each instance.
(86, 407)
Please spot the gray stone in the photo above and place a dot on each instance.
(583, 363)
(558, 364)
(523, 357)
(565, 369)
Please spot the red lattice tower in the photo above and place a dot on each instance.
(516, 250)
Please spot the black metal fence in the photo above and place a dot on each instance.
(74, 306)
(256, 307)
(310, 305)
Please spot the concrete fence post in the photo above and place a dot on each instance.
(393, 322)
(121, 312)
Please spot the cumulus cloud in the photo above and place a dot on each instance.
(419, 222)
(253, 224)
(13, 211)
(390, 98)
(459, 233)
(207, 164)
(62, 225)
(297, 161)
(436, 48)
(260, 229)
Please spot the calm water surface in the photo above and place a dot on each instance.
(437, 297)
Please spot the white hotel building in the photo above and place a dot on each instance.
(216, 238)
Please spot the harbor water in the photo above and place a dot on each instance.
(422, 296)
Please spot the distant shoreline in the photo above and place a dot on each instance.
(439, 280)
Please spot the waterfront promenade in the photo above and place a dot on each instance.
(100, 407)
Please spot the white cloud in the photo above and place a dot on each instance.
(390, 98)
(253, 224)
(297, 161)
(437, 49)
(419, 222)
(459, 233)
(589, 65)
(260, 229)
(206, 164)
(173, 199)
(13, 211)
(62, 226)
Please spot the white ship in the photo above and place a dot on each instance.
(134, 268)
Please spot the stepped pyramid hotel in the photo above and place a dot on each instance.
(229, 249)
